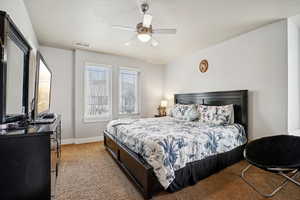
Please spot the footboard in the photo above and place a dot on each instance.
(135, 167)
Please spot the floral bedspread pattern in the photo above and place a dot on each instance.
(168, 144)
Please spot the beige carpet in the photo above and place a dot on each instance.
(87, 172)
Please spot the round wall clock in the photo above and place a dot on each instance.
(203, 66)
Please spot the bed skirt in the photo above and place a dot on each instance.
(195, 171)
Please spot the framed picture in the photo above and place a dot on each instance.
(203, 66)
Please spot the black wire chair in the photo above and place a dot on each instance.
(276, 154)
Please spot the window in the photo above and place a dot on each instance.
(97, 93)
(128, 91)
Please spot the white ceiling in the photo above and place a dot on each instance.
(199, 23)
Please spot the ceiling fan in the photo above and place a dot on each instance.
(144, 30)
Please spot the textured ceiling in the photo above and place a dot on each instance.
(200, 23)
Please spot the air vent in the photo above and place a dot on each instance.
(82, 44)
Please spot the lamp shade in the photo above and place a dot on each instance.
(164, 103)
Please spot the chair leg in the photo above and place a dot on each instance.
(292, 179)
(267, 195)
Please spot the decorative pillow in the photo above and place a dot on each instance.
(207, 114)
(185, 112)
(228, 112)
(216, 115)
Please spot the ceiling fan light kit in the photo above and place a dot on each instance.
(144, 29)
(144, 34)
(144, 37)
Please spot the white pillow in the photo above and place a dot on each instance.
(227, 110)
(216, 115)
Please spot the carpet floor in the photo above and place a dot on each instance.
(87, 172)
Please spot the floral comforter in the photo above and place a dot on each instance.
(168, 144)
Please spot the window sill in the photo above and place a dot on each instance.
(129, 115)
(87, 121)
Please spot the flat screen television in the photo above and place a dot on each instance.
(42, 94)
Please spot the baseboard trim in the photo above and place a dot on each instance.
(67, 141)
(81, 140)
(88, 140)
(295, 132)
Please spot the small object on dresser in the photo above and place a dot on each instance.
(158, 116)
(49, 116)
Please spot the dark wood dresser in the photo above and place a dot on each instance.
(29, 161)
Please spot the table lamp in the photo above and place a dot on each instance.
(162, 108)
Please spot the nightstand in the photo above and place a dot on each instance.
(159, 115)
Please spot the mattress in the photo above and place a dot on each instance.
(168, 144)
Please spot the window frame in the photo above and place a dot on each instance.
(138, 104)
(87, 119)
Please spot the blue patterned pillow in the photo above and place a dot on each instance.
(216, 115)
(226, 112)
(185, 112)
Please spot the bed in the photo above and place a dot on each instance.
(141, 147)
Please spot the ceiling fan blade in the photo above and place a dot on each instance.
(165, 31)
(154, 42)
(124, 28)
(131, 41)
(147, 20)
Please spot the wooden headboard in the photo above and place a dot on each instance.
(239, 98)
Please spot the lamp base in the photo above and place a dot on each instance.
(162, 111)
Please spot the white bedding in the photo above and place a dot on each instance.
(168, 144)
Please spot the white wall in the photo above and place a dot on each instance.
(18, 13)
(256, 61)
(293, 76)
(151, 88)
(62, 102)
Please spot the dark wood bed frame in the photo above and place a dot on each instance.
(141, 173)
